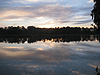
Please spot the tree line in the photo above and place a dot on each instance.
(37, 30)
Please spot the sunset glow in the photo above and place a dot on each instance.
(42, 13)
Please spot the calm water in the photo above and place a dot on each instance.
(50, 56)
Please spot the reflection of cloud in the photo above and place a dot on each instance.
(33, 66)
(32, 60)
(79, 49)
(11, 53)
(94, 65)
(13, 47)
(47, 45)
(40, 54)
(27, 65)
(78, 73)
(88, 45)
(50, 44)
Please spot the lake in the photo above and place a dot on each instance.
(50, 55)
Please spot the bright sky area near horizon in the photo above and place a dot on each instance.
(46, 13)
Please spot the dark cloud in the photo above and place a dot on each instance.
(76, 22)
(81, 9)
(64, 21)
(83, 22)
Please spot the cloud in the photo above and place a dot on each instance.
(83, 22)
(43, 15)
(33, 1)
(8, 14)
(90, 1)
(4, 2)
(60, 12)
(76, 22)
(55, 12)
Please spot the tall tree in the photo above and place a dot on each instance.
(95, 13)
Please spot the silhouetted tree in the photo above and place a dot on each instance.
(31, 30)
(95, 13)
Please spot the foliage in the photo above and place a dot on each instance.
(95, 13)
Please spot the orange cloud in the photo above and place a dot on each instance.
(90, 1)
(14, 14)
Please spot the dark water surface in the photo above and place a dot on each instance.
(63, 55)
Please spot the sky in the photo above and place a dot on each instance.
(46, 13)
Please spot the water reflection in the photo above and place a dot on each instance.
(42, 56)
(52, 38)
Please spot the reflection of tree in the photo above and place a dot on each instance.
(52, 38)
